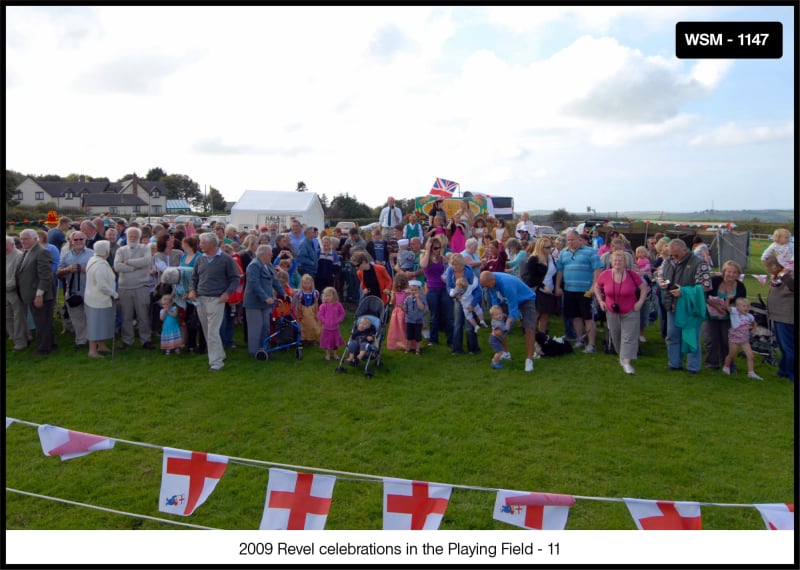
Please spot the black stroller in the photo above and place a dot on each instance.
(762, 340)
(285, 332)
(373, 308)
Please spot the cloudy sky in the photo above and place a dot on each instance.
(559, 107)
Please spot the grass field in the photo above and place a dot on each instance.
(577, 425)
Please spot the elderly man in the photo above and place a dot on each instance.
(16, 311)
(389, 217)
(34, 277)
(132, 264)
(90, 234)
(72, 268)
(577, 269)
(214, 278)
(684, 281)
(521, 302)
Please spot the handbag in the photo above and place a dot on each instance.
(716, 307)
(74, 299)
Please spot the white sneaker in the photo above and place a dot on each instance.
(642, 338)
(589, 349)
(578, 344)
(726, 370)
(754, 376)
(628, 369)
(477, 329)
(528, 365)
(484, 325)
(505, 356)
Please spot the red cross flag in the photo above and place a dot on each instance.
(664, 515)
(413, 505)
(777, 516)
(540, 511)
(70, 444)
(297, 501)
(187, 479)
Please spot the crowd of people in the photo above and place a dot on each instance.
(442, 278)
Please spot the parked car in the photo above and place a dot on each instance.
(369, 227)
(345, 226)
(187, 218)
(542, 231)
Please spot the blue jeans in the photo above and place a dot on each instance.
(441, 307)
(785, 334)
(458, 329)
(674, 355)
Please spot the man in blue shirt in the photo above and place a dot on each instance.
(521, 303)
(577, 269)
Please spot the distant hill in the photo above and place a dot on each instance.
(702, 216)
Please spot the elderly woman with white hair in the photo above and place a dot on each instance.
(98, 300)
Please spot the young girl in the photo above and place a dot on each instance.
(331, 315)
(781, 248)
(742, 322)
(307, 305)
(171, 336)
(396, 337)
(643, 261)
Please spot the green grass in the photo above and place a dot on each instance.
(577, 425)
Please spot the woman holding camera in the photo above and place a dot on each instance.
(621, 293)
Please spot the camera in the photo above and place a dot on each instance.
(615, 307)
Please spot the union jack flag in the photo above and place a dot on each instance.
(443, 188)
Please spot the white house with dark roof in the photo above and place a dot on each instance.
(129, 197)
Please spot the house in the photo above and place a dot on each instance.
(129, 197)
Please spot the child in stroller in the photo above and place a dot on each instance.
(362, 340)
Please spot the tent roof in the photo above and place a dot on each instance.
(280, 203)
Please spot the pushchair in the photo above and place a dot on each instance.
(373, 308)
(762, 340)
(284, 333)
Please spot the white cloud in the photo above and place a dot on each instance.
(732, 134)
(360, 100)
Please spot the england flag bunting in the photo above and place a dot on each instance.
(297, 501)
(664, 515)
(777, 516)
(539, 511)
(70, 444)
(413, 505)
(187, 479)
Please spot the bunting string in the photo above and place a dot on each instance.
(107, 510)
(366, 477)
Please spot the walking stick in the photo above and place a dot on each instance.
(114, 329)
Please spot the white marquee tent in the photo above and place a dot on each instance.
(256, 208)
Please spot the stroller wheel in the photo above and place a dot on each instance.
(262, 355)
(299, 354)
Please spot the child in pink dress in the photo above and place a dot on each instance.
(396, 337)
(331, 315)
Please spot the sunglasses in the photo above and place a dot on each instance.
(78, 239)
(436, 248)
